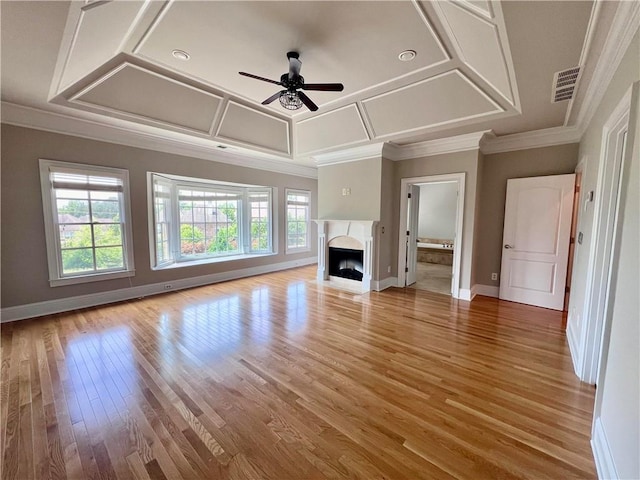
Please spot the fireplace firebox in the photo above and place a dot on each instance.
(346, 263)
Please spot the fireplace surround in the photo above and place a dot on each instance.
(341, 236)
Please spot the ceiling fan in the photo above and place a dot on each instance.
(292, 97)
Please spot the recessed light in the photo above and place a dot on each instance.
(407, 55)
(181, 55)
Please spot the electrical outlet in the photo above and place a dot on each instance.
(346, 191)
(494, 276)
(168, 286)
(389, 269)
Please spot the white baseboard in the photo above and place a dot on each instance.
(574, 347)
(465, 294)
(485, 290)
(605, 465)
(385, 283)
(38, 309)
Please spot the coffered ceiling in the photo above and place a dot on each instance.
(479, 65)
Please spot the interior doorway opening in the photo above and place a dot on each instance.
(431, 219)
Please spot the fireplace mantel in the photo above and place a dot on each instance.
(360, 230)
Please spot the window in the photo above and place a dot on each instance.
(86, 212)
(200, 220)
(297, 220)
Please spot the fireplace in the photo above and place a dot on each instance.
(346, 263)
(345, 253)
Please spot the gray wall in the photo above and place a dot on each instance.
(618, 397)
(363, 178)
(618, 393)
(437, 214)
(497, 169)
(460, 162)
(387, 231)
(24, 258)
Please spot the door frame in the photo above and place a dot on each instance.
(602, 248)
(402, 230)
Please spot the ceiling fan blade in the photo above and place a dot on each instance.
(259, 78)
(294, 65)
(307, 101)
(273, 97)
(324, 87)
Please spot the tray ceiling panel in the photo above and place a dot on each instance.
(99, 33)
(340, 127)
(245, 125)
(355, 43)
(439, 100)
(479, 46)
(132, 90)
(481, 6)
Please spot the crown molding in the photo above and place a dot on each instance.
(623, 28)
(534, 139)
(145, 137)
(364, 152)
(459, 143)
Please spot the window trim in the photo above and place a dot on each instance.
(54, 257)
(178, 181)
(307, 247)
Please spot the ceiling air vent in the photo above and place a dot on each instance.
(564, 83)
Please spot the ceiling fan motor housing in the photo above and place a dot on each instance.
(293, 84)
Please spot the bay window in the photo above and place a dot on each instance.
(200, 220)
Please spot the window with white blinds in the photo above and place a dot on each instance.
(195, 220)
(298, 220)
(86, 214)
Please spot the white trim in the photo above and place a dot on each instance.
(30, 310)
(491, 23)
(434, 34)
(252, 110)
(605, 465)
(602, 248)
(459, 143)
(52, 233)
(533, 139)
(77, 100)
(365, 152)
(154, 23)
(395, 152)
(380, 285)
(367, 136)
(466, 294)
(151, 138)
(307, 247)
(486, 290)
(574, 344)
(497, 107)
(584, 54)
(459, 178)
(623, 28)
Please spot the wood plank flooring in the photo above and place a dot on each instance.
(276, 377)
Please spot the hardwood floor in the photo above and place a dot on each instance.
(276, 377)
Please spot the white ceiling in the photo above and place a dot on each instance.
(480, 65)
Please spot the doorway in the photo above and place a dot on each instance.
(431, 219)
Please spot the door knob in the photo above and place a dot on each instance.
(508, 246)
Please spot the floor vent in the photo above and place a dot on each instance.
(564, 83)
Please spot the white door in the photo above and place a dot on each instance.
(412, 234)
(535, 242)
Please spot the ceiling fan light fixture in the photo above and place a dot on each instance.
(407, 55)
(180, 55)
(290, 100)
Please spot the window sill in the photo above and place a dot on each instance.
(94, 277)
(291, 251)
(206, 261)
